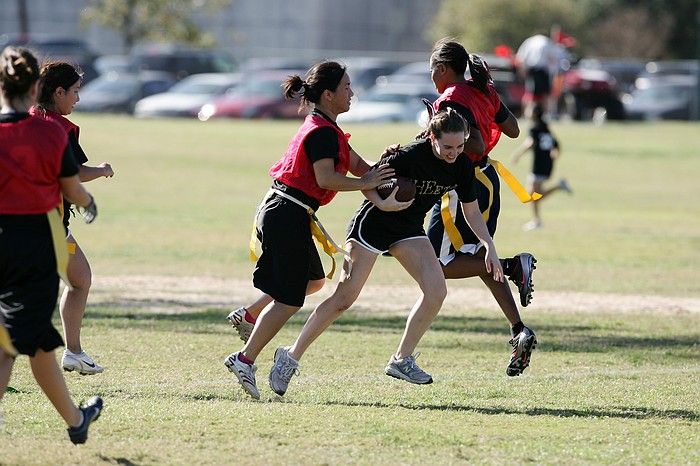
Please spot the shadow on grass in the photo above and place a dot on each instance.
(553, 336)
(613, 412)
(122, 461)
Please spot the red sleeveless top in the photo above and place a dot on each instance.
(30, 165)
(295, 168)
(64, 122)
(483, 108)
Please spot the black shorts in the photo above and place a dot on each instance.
(538, 82)
(28, 283)
(489, 199)
(377, 232)
(289, 257)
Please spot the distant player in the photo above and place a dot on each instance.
(60, 86)
(545, 150)
(36, 166)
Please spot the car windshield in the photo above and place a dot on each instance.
(199, 87)
(261, 88)
(655, 94)
(111, 86)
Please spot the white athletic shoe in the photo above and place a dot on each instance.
(565, 186)
(245, 373)
(242, 326)
(282, 371)
(407, 369)
(81, 363)
(532, 225)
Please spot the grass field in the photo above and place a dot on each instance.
(606, 386)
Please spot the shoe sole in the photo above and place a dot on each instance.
(528, 287)
(528, 348)
(235, 372)
(237, 327)
(81, 372)
(402, 376)
(269, 377)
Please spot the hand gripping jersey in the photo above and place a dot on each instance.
(483, 108)
(30, 163)
(295, 168)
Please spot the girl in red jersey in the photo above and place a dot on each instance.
(36, 166)
(308, 176)
(459, 249)
(59, 92)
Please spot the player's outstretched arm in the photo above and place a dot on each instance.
(92, 173)
(390, 204)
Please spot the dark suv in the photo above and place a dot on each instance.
(179, 61)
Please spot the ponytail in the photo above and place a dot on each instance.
(479, 71)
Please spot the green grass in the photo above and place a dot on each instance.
(605, 387)
(184, 195)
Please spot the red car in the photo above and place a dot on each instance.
(259, 95)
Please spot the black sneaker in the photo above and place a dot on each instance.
(523, 344)
(91, 410)
(522, 276)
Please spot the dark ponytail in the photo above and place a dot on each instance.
(19, 70)
(479, 71)
(323, 76)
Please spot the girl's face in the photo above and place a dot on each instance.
(340, 99)
(438, 74)
(65, 99)
(448, 146)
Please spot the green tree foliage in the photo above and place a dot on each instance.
(618, 28)
(154, 20)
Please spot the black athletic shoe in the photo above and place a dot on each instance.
(522, 276)
(91, 411)
(523, 344)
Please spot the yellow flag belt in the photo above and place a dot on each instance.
(318, 231)
(505, 174)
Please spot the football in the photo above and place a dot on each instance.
(406, 192)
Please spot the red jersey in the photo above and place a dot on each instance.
(31, 152)
(483, 107)
(295, 168)
(64, 122)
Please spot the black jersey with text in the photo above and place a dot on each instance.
(433, 178)
(542, 145)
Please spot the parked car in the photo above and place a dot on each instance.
(656, 69)
(257, 96)
(625, 71)
(584, 90)
(113, 64)
(664, 98)
(186, 98)
(180, 62)
(118, 93)
(56, 48)
(364, 71)
(388, 103)
(274, 63)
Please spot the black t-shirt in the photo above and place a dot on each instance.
(68, 165)
(433, 178)
(322, 143)
(543, 143)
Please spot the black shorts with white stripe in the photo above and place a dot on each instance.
(378, 231)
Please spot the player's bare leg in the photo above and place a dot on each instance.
(343, 297)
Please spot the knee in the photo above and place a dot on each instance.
(315, 285)
(436, 293)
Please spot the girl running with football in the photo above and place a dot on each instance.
(36, 166)
(59, 92)
(460, 250)
(436, 165)
(309, 175)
